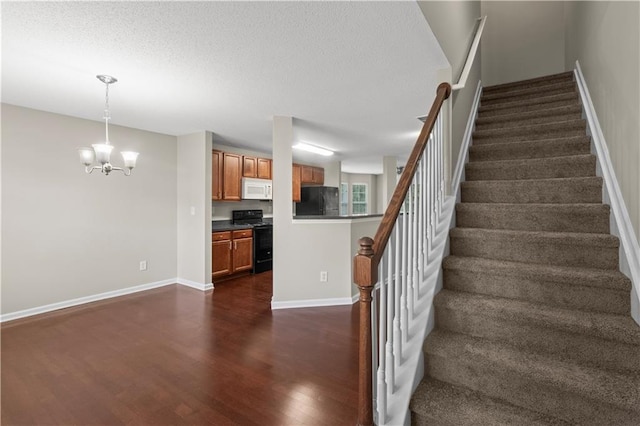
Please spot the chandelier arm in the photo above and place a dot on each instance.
(89, 169)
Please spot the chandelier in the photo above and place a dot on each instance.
(101, 152)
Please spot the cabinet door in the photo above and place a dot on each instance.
(216, 176)
(220, 258)
(249, 166)
(232, 175)
(264, 168)
(306, 174)
(318, 175)
(296, 183)
(242, 254)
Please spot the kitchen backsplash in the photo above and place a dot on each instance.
(221, 210)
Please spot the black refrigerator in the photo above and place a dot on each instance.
(318, 201)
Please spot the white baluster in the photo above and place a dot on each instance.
(410, 239)
(397, 331)
(382, 386)
(441, 159)
(425, 214)
(415, 237)
(404, 314)
(420, 256)
(374, 352)
(390, 361)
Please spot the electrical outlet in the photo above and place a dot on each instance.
(193, 211)
(143, 265)
(323, 276)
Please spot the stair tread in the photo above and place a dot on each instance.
(578, 217)
(621, 390)
(540, 101)
(537, 128)
(493, 146)
(601, 325)
(520, 162)
(588, 277)
(560, 86)
(527, 115)
(462, 406)
(562, 238)
(568, 75)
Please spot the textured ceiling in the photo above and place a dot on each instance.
(354, 75)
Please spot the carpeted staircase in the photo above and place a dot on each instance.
(533, 324)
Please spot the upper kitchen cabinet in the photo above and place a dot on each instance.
(255, 167)
(312, 175)
(296, 173)
(217, 175)
(264, 168)
(226, 176)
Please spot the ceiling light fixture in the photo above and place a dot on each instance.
(311, 148)
(102, 151)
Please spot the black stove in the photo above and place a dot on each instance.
(262, 237)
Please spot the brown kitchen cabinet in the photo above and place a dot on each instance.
(249, 167)
(311, 175)
(264, 168)
(232, 175)
(255, 167)
(231, 252)
(216, 182)
(296, 178)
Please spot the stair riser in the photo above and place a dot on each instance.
(539, 291)
(503, 124)
(532, 136)
(563, 167)
(528, 96)
(548, 113)
(571, 347)
(525, 150)
(528, 106)
(549, 220)
(545, 252)
(535, 82)
(528, 92)
(533, 192)
(498, 382)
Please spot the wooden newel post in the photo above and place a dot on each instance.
(365, 275)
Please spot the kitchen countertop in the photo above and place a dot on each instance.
(316, 217)
(226, 225)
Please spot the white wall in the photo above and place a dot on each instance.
(302, 250)
(454, 24)
(66, 234)
(522, 39)
(604, 37)
(194, 208)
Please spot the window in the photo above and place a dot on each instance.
(359, 198)
(344, 199)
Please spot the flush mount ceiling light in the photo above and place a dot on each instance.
(102, 151)
(311, 148)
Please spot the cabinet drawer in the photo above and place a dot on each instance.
(243, 233)
(219, 236)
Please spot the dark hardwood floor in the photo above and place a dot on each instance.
(177, 356)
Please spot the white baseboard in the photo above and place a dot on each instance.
(311, 303)
(82, 300)
(193, 284)
(620, 221)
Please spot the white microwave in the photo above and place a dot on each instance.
(256, 189)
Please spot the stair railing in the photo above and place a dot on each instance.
(396, 260)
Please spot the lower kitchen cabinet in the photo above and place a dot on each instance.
(231, 252)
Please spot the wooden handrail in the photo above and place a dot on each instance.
(365, 263)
